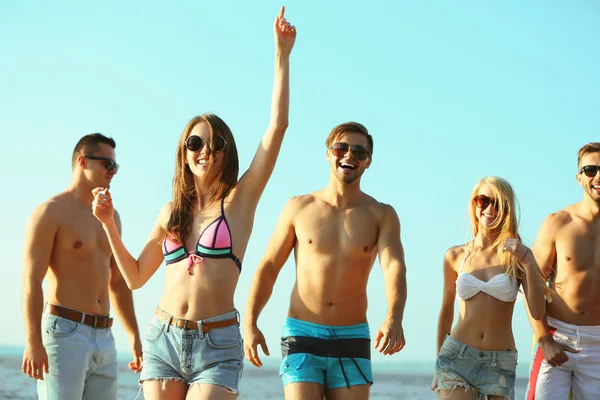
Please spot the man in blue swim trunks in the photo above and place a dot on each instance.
(336, 234)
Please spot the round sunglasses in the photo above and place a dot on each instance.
(109, 163)
(590, 170)
(341, 148)
(195, 143)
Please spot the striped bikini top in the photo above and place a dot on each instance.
(214, 242)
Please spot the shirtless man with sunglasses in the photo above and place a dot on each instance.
(336, 234)
(70, 349)
(567, 250)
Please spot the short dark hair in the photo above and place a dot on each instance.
(90, 144)
(353, 127)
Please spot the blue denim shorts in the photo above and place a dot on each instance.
(489, 373)
(82, 361)
(192, 356)
(334, 356)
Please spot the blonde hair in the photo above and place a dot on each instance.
(507, 221)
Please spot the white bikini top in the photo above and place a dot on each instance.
(501, 286)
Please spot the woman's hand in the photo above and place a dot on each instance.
(285, 33)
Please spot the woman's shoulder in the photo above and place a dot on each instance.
(455, 253)
(165, 213)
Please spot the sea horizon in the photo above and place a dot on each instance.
(408, 380)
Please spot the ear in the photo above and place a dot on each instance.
(368, 163)
(578, 177)
(82, 161)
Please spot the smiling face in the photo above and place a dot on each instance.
(486, 207)
(590, 184)
(204, 163)
(345, 155)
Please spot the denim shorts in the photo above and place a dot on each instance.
(489, 373)
(333, 356)
(82, 361)
(192, 356)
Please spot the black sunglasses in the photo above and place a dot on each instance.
(109, 163)
(590, 170)
(341, 148)
(195, 143)
(482, 201)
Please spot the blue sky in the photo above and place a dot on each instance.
(451, 92)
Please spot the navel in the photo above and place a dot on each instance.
(366, 249)
(77, 244)
(309, 241)
(567, 258)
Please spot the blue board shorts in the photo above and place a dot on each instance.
(333, 356)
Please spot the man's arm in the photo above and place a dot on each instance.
(279, 249)
(544, 251)
(122, 299)
(390, 336)
(37, 251)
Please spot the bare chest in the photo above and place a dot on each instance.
(352, 232)
(578, 249)
(80, 236)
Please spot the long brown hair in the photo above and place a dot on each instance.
(179, 226)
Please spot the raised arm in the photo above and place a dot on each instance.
(37, 251)
(136, 272)
(253, 182)
(277, 253)
(544, 250)
(122, 299)
(390, 336)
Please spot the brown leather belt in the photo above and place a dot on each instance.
(193, 325)
(95, 321)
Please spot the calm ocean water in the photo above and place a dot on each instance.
(256, 383)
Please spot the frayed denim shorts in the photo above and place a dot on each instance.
(489, 373)
(191, 355)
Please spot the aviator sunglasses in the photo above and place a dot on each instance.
(482, 201)
(195, 143)
(590, 170)
(340, 149)
(109, 163)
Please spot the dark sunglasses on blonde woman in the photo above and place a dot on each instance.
(340, 149)
(195, 143)
(482, 201)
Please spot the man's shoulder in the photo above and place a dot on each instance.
(303, 200)
(53, 206)
(560, 218)
(381, 208)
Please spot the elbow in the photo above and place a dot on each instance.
(538, 311)
(134, 285)
(121, 284)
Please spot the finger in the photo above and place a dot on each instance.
(384, 342)
(265, 349)
(254, 358)
(96, 190)
(46, 367)
(569, 349)
(281, 12)
(378, 338)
